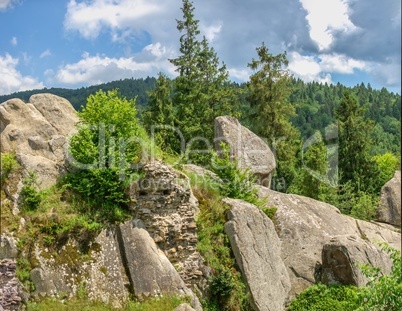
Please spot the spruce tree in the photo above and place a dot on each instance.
(268, 96)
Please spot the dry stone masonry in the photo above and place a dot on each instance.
(166, 206)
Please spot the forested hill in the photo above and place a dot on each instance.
(128, 88)
(314, 102)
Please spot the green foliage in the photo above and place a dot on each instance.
(109, 141)
(108, 133)
(387, 164)
(185, 108)
(229, 291)
(364, 206)
(236, 183)
(325, 298)
(8, 165)
(270, 110)
(23, 273)
(31, 196)
(383, 292)
(270, 212)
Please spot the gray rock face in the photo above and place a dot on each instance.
(184, 307)
(389, 209)
(249, 149)
(37, 132)
(64, 271)
(150, 272)
(305, 226)
(257, 250)
(339, 258)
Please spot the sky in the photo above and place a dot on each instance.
(76, 43)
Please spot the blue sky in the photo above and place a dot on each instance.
(75, 43)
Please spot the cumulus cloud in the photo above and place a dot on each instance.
(326, 18)
(319, 68)
(11, 80)
(100, 68)
(345, 35)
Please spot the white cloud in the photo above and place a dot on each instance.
(45, 53)
(241, 75)
(325, 18)
(99, 68)
(88, 18)
(11, 80)
(319, 68)
(212, 31)
(13, 40)
(6, 4)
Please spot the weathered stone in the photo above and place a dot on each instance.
(341, 255)
(12, 295)
(37, 133)
(257, 250)
(249, 149)
(101, 270)
(389, 208)
(305, 225)
(8, 247)
(150, 272)
(165, 203)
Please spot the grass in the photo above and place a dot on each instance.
(166, 303)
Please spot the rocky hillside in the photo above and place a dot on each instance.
(154, 253)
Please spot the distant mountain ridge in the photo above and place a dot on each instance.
(128, 88)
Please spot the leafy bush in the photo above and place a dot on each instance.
(31, 196)
(325, 298)
(383, 292)
(8, 165)
(109, 141)
(270, 211)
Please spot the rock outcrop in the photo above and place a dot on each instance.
(389, 208)
(305, 226)
(151, 273)
(8, 247)
(249, 149)
(37, 132)
(257, 250)
(164, 202)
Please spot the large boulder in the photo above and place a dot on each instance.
(305, 226)
(99, 268)
(389, 208)
(150, 272)
(37, 132)
(250, 150)
(257, 250)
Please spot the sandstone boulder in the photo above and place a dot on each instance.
(184, 307)
(305, 226)
(249, 149)
(257, 250)
(151, 273)
(389, 208)
(37, 132)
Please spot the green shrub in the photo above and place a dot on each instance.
(325, 298)
(31, 196)
(270, 212)
(8, 165)
(236, 183)
(383, 292)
